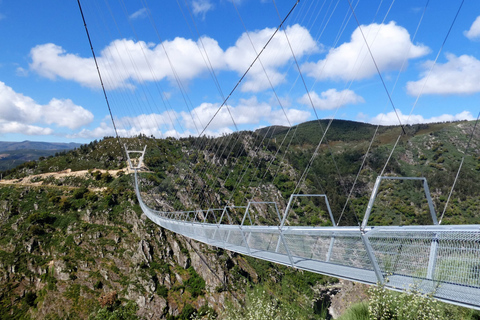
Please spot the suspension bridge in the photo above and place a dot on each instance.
(442, 261)
(437, 260)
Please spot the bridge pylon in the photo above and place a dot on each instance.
(139, 161)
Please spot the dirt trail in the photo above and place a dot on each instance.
(32, 179)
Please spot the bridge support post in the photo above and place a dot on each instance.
(330, 248)
(373, 260)
(218, 222)
(430, 202)
(370, 202)
(432, 259)
(245, 240)
(286, 248)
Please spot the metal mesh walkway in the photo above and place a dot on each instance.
(443, 261)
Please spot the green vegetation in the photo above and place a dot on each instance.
(105, 154)
(386, 304)
(383, 304)
(358, 311)
(76, 238)
(120, 312)
(194, 284)
(261, 305)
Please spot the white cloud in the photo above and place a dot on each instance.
(17, 127)
(474, 32)
(153, 120)
(21, 72)
(331, 99)
(201, 7)
(102, 131)
(148, 124)
(139, 14)
(123, 63)
(51, 61)
(276, 55)
(390, 45)
(151, 124)
(18, 111)
(247, 113)
(459, 75)
(64, 113)
(392, 119)
(294, 116)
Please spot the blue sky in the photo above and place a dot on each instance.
(157, 59)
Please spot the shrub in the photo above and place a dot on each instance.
(125, 312)
(64, 204)
(108, 300)
(259, 306)
(195, 284)
(187, 312)
(30, 298)
(358, 311)
(98, 285)
(97, 175)
(106, 177)
(162, 291)
(385, 304)
(80, 192)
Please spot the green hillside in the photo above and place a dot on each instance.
(78, 246)
(75, 244)
(433, 151)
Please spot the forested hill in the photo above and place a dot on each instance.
(75, 244)
(433, 151)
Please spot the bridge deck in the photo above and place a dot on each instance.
(443, 261)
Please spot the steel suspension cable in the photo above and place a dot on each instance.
(421, 92)
(296, 127)
(251, 65)
(134, 64)
(99, 73)
(174, 72)
(106, 71)
(293, 136)
(198, 142)
(433, 64)
(376, 65)
(244, 170)
(383, 82)
(316, 115)
(459, 169)
(378, 125)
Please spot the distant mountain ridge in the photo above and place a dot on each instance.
(37, 145)
(14, 153)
